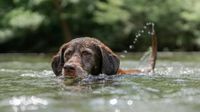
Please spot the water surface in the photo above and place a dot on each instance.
(28, 84)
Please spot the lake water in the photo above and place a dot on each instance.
(28, 84)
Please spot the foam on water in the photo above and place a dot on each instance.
(177, 69)
(29, 73)
(44, 73)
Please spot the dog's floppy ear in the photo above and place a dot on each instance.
(110, 61)
(58, 61)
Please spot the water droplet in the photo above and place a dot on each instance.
(131, 46)
(129, 102)
(125, 51)
(135, 39)
(113, 101)
(153, 24)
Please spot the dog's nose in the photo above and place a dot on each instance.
(69, 67)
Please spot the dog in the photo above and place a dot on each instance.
(83, 56)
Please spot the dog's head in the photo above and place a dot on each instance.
(83, 56)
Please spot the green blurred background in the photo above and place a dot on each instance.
(44, 25)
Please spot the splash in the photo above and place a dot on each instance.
(144, 32)
(144, 59)
(147, 29)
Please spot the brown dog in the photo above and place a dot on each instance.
(83, 56)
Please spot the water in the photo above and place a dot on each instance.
(28, 84)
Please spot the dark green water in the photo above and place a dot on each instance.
(28, 84)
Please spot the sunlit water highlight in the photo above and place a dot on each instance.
(27, 86)
(24, 103)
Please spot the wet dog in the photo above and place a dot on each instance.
(83, 56)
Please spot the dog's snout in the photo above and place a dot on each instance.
(69, 67)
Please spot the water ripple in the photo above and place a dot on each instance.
(44, 73)
(177, 69)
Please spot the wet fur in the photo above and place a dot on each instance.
(104, 60)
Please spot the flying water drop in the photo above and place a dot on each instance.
(131, 46)
(144, 32)
(125, 51)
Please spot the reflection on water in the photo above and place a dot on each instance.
(32, 86)
(24, 103)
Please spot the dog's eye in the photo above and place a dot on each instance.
(85, 53)
(68, 53)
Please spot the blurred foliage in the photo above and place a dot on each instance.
(43, 25)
